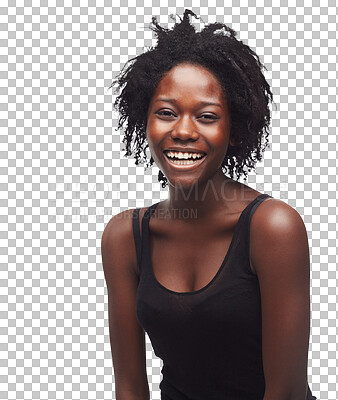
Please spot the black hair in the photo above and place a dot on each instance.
(237, 68)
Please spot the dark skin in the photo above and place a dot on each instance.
(189, 110)
(279, 253)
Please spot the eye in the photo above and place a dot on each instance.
(165, 113)
(208, 117)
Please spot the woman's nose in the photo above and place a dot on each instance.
(184, 129)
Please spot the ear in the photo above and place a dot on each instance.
(232, 142)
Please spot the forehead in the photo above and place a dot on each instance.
(190, 80)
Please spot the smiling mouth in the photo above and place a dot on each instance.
(184, 161)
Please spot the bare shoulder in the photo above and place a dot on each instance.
(275, 225)
(118, 237)
(274, 214)
(117, 240)
(119, 227)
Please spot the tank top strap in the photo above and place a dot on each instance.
(249, 211)
(141, 242)
(145, 227)
(240, 254)
(258, 200)
(136, 234)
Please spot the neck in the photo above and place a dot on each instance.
(198, 200)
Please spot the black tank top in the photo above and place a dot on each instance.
(210, 340)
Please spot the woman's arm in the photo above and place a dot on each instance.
(280, 255)
(127, 337)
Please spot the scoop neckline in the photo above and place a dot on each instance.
(145, 240)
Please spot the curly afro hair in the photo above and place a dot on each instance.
(237, 68)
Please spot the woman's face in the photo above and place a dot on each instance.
(188, 113)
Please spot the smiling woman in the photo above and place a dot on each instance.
(236, 67)
(189, 103)
(218, 273)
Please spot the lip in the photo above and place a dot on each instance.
(184, 167)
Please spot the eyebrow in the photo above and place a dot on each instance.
(202, 103)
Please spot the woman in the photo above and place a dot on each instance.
(218, 274)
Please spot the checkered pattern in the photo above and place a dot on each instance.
(63, 174)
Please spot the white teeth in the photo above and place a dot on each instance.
(183, 156)
(182, 162)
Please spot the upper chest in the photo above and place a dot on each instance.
(185, 257)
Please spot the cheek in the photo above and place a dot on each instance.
(152, 136)
(155, 130)
(219, 135)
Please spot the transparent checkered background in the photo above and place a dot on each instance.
(63, 175)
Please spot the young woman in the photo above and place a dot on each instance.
(218, 275)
